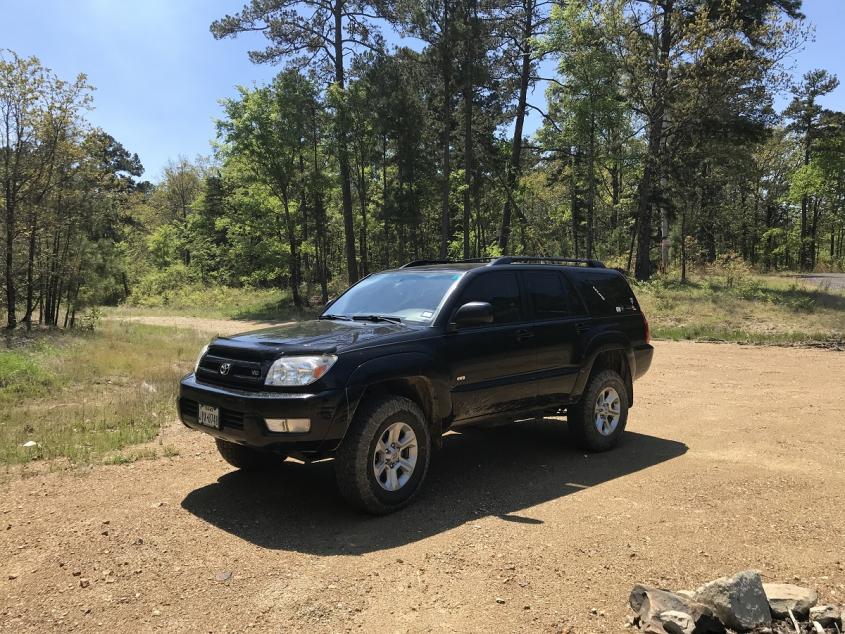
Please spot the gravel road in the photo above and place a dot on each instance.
(735, 458)
(833, 281)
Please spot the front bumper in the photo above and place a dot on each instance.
(243, 412)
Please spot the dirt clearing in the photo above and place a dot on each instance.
(735, 458)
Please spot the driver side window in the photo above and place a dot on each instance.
(501, 291)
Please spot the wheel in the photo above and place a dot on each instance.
(384, 458)
(245, 458)
(597, 422)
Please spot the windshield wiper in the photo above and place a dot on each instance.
(340, 317)
(390, 318)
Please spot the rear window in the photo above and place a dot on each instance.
(607, 295)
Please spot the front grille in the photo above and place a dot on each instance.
(228, 371)
(188, 407)
(229, 419)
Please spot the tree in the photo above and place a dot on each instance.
(37, 109)
(315, 34)
(267, 127)
(805, 114)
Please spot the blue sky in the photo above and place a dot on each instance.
(159, 73)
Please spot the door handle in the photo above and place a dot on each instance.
(582, 327)
(523, 333)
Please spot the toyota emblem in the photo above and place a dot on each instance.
(224, 368)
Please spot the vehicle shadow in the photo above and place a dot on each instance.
(479, 472)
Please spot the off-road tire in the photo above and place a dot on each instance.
(354, 458)
(581, 418)
(247, 459)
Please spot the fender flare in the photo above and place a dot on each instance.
(415, 366)
(610, 342)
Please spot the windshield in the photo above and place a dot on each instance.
(412, 296)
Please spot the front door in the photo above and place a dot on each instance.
(492, 364)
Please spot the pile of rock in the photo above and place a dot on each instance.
(741, 603)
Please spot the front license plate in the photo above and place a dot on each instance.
(209, 416)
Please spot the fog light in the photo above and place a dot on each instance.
(289, 425)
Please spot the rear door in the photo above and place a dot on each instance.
(492, 364)
(556, 316)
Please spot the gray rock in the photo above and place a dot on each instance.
(739, 602)
(826, 615)
(675, 622)
(652, 603)
(786, 596)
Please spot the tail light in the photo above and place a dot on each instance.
(646, 328)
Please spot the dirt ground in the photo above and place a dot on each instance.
(734, 459)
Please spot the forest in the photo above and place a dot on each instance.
(660, 150)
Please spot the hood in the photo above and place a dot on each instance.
(313, 336)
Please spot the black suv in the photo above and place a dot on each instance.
(407, 354)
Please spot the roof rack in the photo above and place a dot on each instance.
(522, 259)
(510, 259)
(427, 262)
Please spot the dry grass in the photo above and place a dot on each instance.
(750, 309)
(84, 396)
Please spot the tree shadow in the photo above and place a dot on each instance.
(479, 472)
(275, 312)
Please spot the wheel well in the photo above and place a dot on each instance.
(617, 361)
(415, 388)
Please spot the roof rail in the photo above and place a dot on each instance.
(510, 259)
(468, 261)
(522, 259)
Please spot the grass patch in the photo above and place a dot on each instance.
(756, 309)
(128, 457)
(84, 396)
(21, 373)
(218, 302)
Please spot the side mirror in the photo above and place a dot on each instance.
(473, 314)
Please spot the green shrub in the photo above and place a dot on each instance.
(22, 373)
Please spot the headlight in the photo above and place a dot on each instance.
(199, 358)
(293, 371)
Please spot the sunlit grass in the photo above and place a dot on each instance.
(752, 309)
(219, 302)
(82, 396)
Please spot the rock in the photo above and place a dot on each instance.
(651, 603)
(84, 583)
(786, 596)
(675, 622)
(223, 575)
(13, 576)
(826, 615)
(500, 600)
(739, 602)
(30, 443)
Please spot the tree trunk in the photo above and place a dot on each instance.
(642, 270)
(446, 70)
(290, 230)
(342, 149)
(591, 187)
(515, 163)
(11, 296)
(469, 67)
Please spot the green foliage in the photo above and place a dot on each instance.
(21, 373)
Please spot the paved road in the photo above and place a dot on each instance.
(735, 459)
(825, 280)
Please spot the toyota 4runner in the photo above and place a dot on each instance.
(406, 354)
